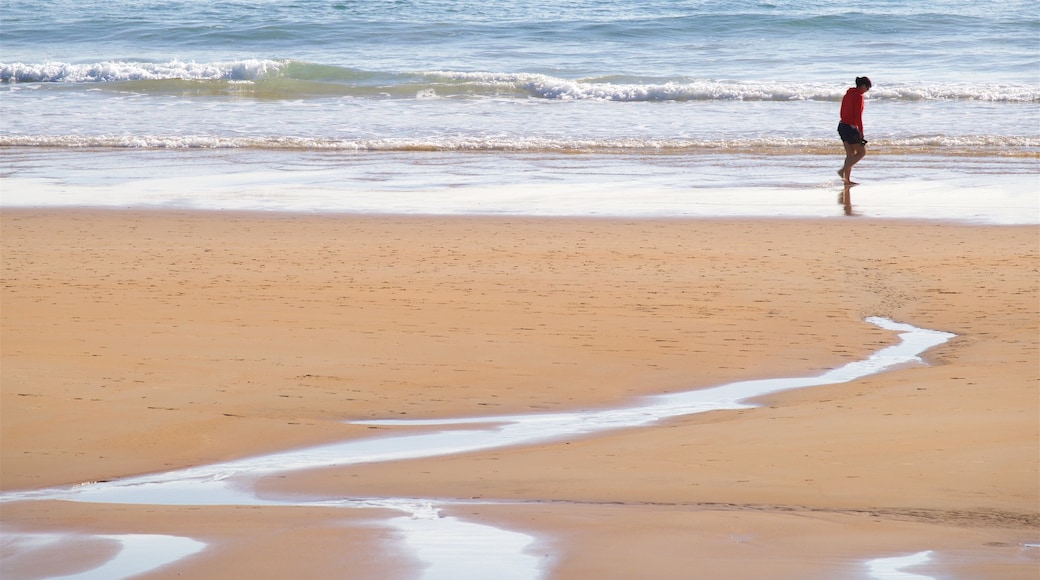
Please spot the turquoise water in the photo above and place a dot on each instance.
(712, 87)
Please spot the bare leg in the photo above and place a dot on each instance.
(853, 153)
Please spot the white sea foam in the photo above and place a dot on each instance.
(543, 86)
(972, 145)
(551, 87)
(110, 71)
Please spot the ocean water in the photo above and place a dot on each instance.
(581, 108)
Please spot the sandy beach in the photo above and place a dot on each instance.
(144, 341)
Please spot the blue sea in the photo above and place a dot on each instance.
(607, 107)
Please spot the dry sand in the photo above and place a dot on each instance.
(136, 342)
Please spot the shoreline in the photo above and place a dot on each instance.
(229, 332)
(990, 190)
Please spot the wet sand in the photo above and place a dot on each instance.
(136, 342)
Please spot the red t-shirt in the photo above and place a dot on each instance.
(852, 109)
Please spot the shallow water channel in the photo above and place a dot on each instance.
(447, 546)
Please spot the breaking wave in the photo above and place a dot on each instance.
(296, 79)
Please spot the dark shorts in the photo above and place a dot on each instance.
(850, 134)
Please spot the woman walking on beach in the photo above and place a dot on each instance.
(851, 127)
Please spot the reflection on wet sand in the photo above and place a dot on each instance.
(845, 199)
(134, 553)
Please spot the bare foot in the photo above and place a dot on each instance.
(841, 173)
(850, 183)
